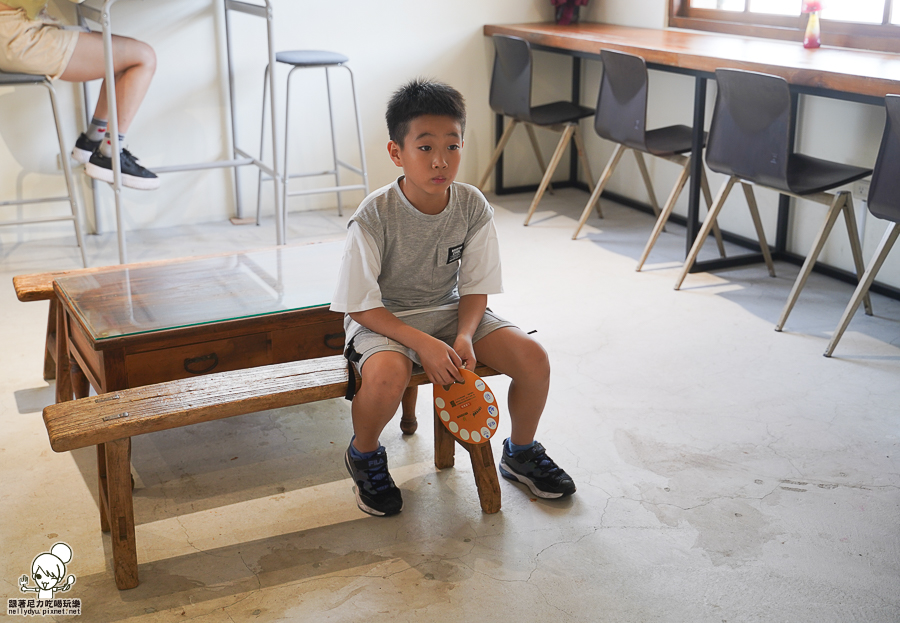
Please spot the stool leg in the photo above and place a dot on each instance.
(67, 171)
(444, 444)
(334, 156)
(121, 512)
(287, 128)
(262, 138)
(50, 342)
(486, 479)
(408, 421)
(359, 132)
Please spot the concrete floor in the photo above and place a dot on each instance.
(725, 472)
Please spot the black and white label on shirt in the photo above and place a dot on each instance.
(454, 254)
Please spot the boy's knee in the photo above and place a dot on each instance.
(148, 56)
(536, 360)
(387, 373)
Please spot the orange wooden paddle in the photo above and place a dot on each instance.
(468, 409)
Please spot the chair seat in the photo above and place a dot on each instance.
(673, 139)
(6, 78)
(807, 175)
(559, 112)
(310, 58)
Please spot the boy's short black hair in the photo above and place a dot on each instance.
(423, 97)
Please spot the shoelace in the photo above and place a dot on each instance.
(376, 470)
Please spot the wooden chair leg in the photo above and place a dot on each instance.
(642, 166)
(408, 421)
(837, 205)
(121, 513)
(666, 212)
(537, 153)
(551, 168)
(884, 247)
(582, 155)
(504, 139)
(444, 445)
(757, 223)
(598, 189)
(704, 185)
(705, 229)
(50, 342)
(856, 246)
(486, 479)
(103, 488)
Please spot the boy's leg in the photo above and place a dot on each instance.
(385, 376)
(513, 353)
(510, 351)
(134, 63)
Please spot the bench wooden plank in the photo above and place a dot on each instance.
(126, 413)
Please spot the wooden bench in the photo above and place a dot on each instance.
(109, 421)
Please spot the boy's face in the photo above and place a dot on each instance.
(430, 159)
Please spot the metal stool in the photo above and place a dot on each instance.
(7, 79)
(309, 59)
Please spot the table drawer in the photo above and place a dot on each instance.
(321, 339)
(179, 362)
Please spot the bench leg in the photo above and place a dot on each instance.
(50, 344)
(444, 445)
(408, 421)
(81, 386)
(102, 487)
(121, 513)
(485, 475)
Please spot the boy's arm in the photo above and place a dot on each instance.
(441, 362)
(471, 311)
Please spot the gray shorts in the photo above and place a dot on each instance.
(440, 324)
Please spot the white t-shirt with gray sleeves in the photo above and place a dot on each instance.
(408, 262)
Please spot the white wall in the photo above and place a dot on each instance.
(388, 43)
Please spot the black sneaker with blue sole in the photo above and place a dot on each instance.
(376, 493)
(534, 469)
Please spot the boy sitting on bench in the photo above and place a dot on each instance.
(421, 259)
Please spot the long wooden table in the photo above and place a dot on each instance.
(841, 73)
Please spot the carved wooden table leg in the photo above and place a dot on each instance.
(444, 445)
(485, 475)
(408, 421)
(121, 512)
(50, 344)
(63, 380)
(81, 386)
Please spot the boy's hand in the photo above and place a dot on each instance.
(441, 362)
(463, 347)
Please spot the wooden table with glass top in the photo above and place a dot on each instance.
(129, 326)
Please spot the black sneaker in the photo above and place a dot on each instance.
(376, 492)
(134, 175)
(534, 468)
(84, 147)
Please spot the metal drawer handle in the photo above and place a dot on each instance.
(190, 365)
(335, 341)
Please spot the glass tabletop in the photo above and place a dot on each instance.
(197, 291)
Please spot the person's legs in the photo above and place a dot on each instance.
(134, 63)
(385, 376)
(512, 352)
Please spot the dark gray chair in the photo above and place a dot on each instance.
(884, 203)
(511, 97)
(315, 59)
(750, 142)
(621, 117)
(7, 79)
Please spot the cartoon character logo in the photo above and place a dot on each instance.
(48, 572)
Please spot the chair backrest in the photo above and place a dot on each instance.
(884, 191)
(621, 114)
(511, 78)
(751, 129)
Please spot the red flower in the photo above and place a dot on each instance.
(810, 6)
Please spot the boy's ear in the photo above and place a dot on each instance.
(394, 151)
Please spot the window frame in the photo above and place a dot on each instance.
(884, 37)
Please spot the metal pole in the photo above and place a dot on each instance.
(693, 215)
(113, 126)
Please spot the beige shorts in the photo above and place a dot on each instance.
(29, 46)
